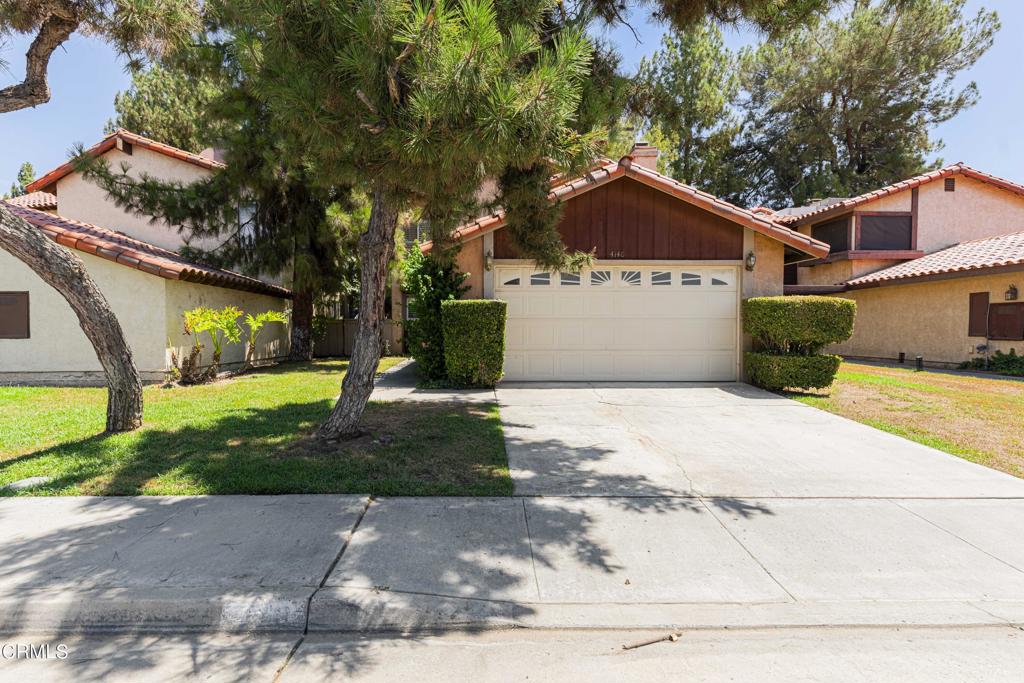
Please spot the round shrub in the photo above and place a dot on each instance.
(798, 324)
(474, 341)
(776, 372)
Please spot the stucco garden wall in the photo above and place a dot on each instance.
(58, 349)
(927, 319)
(84, 201)
(182, 296)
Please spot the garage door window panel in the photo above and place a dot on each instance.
(631, 278)
(511, 278)
(690, 279)
(569, 279)
(542, 279)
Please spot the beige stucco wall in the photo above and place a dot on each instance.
(901, 201)
(927, 319)
(471, 260)
(766, 278)
(825, 273)
(182, 296)
(973, 211)
(148, 308)
(82, 200)
(58, 349)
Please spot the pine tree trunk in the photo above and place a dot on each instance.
(62, 270)
(302, 326)
(376, 247)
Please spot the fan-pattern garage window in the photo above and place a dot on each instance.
(510, 280)
(661, 277)
(540, 279)
(570, 279)
(600, 277)
(690, 279)
(631, 278)
(721, 278)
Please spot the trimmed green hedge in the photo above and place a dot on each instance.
(474, 341)
(798, 324)
(776, 372)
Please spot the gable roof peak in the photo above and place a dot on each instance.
(117, 138)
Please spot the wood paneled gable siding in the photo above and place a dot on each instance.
(627, 220)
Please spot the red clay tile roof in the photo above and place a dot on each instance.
(108, 143)
(845, 205)
(610, 170)
(35, 200)
(126, 251)
(989, 252)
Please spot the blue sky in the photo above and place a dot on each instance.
(86, 74)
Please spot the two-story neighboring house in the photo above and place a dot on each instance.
(935, 264)
(134, 261)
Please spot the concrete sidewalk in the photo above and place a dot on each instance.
(288, 563)
(223, 563)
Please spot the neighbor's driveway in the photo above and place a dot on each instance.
(726, 440)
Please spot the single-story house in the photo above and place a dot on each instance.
(133, 260)
(662, 301)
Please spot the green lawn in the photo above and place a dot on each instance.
(249, 434)
(977, 418)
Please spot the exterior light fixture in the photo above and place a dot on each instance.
(750, 261)
(488, 261)
(1011, 293)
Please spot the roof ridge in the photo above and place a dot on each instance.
(626, 167)
(108, 142)
(910, 183)
(129, 251)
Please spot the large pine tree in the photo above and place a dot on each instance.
(268, 212)
(419, 103)
(847, 103)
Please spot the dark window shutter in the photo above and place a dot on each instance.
(835, 233)
(977, 325)
(1006, 321)
(13, 315)
(886, 232)
(950, 185)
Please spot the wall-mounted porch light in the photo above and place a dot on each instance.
(488, 261)
(750, 261)
(1011, 293)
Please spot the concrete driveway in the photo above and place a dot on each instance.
(726, 440)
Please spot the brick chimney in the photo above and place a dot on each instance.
(645, 154)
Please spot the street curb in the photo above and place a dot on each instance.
(370, 610)
(170, 610)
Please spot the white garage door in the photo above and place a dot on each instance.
(653, 323)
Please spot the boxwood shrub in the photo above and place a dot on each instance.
(474, 341)
(776, 372)
(798, 324)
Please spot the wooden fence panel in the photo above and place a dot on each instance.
(340, 337)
